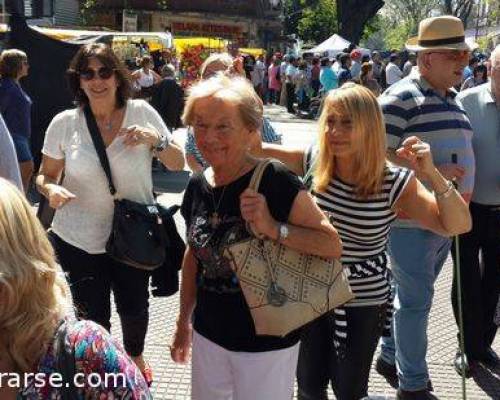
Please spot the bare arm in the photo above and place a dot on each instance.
(172, 157)
(181, 345)
(193, 164)
(446, 215)
(47, 182)
(292, 158)
(309, 229)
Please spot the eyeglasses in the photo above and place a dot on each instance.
(103, 73)
(453, 55)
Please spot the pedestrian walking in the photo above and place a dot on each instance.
(168, 99)
(361, 197)
(479, 76)
(481, 280)
(274, 81)
(367, 80)
(424, 105)
(229, 358)
(15, 107)
(392, 72)
(132, 131)
(40, 338)
(145, 78)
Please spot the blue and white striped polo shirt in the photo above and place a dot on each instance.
(413, 108)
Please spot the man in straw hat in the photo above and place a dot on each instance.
(423, 105)
(481, 288)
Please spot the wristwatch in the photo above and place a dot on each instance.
(162, 144)
(283, 232)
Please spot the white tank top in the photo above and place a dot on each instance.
(145, 80)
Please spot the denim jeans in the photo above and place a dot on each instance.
(417, 256)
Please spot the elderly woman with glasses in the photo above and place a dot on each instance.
(229, 360)
(132, 131)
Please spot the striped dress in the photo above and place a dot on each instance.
(363, 225)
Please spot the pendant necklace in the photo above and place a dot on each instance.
(214, 217)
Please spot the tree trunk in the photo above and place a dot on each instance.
(352, 16)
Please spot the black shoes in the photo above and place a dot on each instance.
(417, 395)
(390, 373)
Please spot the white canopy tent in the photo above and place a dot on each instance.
(333, 45)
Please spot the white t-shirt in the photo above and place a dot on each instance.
(392, 73)
(85, 222)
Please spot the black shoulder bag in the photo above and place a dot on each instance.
(137, 237)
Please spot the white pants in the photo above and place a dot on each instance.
(220, 374)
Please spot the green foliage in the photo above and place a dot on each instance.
(318, 21)
(87, 11)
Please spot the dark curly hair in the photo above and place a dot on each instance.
(107, 57)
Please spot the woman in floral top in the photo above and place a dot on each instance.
(34, 301)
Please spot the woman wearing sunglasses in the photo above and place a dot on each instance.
(132, 132)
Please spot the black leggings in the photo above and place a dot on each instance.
(92, 277)
(348, 373)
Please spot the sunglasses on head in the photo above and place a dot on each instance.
(103, 73)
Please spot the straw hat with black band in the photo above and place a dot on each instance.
(440, 33)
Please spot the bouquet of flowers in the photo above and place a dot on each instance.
(191, 60)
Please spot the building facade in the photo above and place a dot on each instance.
(247, 23)
(52, 12)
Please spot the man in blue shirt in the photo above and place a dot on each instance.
(481, 288)
(344, 74)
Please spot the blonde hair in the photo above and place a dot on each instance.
(221, 58)
(368, 138)
(34, 294)
(236, 90)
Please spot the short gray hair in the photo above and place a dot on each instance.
(222, 58)
(168, 70)
(236, 90)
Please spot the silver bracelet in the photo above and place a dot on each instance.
(446, 193)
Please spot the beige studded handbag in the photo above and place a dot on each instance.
(284, 288)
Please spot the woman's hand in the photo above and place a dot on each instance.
(418, 154)
(58, 196)
(255, 211)
(181, 345)
(135, 135)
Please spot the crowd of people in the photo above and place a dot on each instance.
(401, 165)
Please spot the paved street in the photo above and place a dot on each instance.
(172, 382)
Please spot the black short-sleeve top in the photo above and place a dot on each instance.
(221, 313)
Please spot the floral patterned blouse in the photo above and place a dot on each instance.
(97, 355)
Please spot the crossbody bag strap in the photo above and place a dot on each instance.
(100, 148)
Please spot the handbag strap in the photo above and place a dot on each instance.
(255, 184)
(100, 148)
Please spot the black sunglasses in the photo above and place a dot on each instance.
(103, 73)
